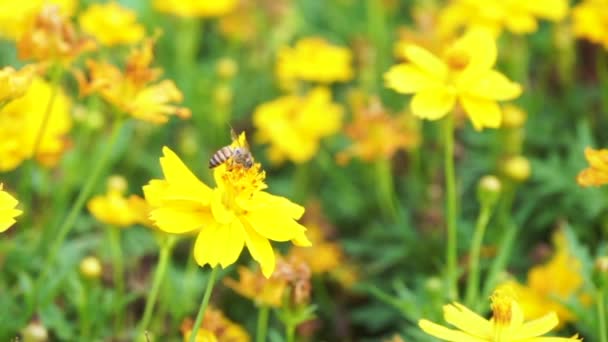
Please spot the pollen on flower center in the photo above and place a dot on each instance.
(242, 180)
(501, 307)
(457, 59)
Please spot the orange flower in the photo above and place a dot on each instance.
(215, 328)
(597, 172)
(133, 90)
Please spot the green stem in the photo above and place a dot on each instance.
(262, 328)
(201, 311)
(56, 74)
(602, 72)
(118, 269)
(601, 316)
(301, 186)
(472, 291)
(70, 220)
(159, 274)
(385, 188)
(290, 330)
(451, 204)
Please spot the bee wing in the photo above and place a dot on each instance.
(233, 134)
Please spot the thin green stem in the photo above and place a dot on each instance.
(57, 72)
(70, 220)
(601, 315)
(602, 72)
(262, 328)
(290, 331)
(118, 270)
(159, 274)
(451, 205)
(472, 291)
(385, 188)
(201, 311)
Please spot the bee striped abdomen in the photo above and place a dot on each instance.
(220, 156)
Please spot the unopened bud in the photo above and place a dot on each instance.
(433, 284)
(117, 183)
(488, 190)
(517, 168)
(513, 116)
(35, 332)
(90, 267)
(226, 68)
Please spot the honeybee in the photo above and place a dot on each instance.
(240, 154)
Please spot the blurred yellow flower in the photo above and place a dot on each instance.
(20, 123)
(517, 16)
(316, 60)
(7, 210)
(464, 74)
(425, 32)
(195, 8)
(294, 125)
(115, 209)
(242, 23)
(52, 37)
(597, 172)
(235, 214)
(323, 256)
(133, 92)
(590, 21)
(17, 16)
(378, 135)
(550, 284)
(215, 328)
(14, 83)
(260, 290)
(507, 323)
(111, 24)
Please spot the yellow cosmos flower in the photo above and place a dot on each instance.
(550, 284)
(260, 290)
(111, 24)
(316, 60)
(20, 122)
(52, 37)
(14, 83)
(195, 8)
(7, 210)
(507, 324)
(115, 209)
(590, 21)
(17, 16)
(133, 91)
(294, 125)
(234, 214)
(597, 173)
(215, 328)
(463, 75)
(517, 16)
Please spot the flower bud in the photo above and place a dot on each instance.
(35, 332)
(90, 267)
(433, 284)
(117, 183)
(226, 68)
(513, 116)
(601, 264)
(517, 168)
(488, 190)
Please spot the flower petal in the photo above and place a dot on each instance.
(207, 250)
(493, 85)
(220, 212)
(181, 179)
(432, 104)
(264, 201)
(234, 241)
(536, 327)
(446, 334)
(466, 320)
(426, 61)
(482, 112)
(408, 78)
(301, 240)
(274, 226)
(260, 250)
(481, 47)
(179, 220)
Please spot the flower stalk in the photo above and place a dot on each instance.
(451, 205)
(472, 291)
(118, 273)
(204, 303)
(601, 315)
(262, 325)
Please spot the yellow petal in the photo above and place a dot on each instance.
(446, 334)
(220, 212)
(264, 201)
(426, 61)
(274, 226)
(233, 242)
(7, 218)
(260, 250)
(155, 191)
(178, 220)
(466, 320)
(493, 85)
(407, 79)
(482, 112)
(207, 250)
(181, 179)
(481, 47)
(536, 327)
(301, 240)
(432, 104)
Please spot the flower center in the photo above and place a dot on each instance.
(501, 307)
(457, 59)
(241, 181)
